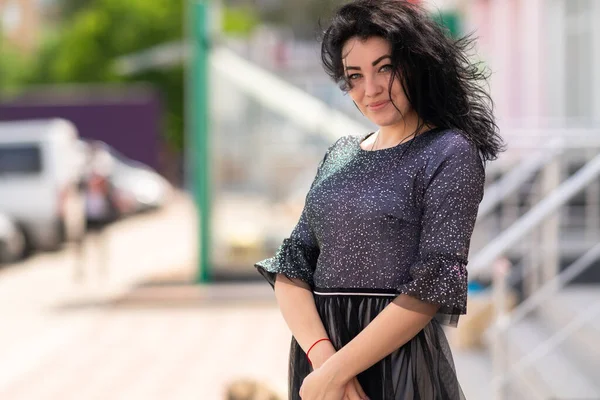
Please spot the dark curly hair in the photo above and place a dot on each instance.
(444, 87)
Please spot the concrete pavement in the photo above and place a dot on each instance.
(114, 335)
(148, 354)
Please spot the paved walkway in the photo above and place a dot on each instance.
(132, 353)
(108, 337)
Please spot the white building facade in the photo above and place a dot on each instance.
(544, 56)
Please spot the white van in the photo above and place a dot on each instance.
(40, 171)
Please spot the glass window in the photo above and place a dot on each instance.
(20, 160)
(578, 60)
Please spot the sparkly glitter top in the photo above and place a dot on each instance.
(398, 218)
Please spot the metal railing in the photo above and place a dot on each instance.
(506, 319)
(544, 214)
(510, 182)
(546, 208)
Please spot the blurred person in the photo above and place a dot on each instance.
(377, 262)
(100, 205)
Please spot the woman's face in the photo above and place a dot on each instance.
(368, 68)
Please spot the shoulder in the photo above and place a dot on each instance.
(450, 144)
(342, 145)
(333, 149)
(449, 149)
(345, 142)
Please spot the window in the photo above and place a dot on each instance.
(578, 60)
(20, 160)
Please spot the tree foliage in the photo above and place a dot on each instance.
(70, 7)
(94, 33)
(93, 37)
(13, 68)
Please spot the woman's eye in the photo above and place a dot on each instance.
(353, 76)
(386, 68)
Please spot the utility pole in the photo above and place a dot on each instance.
(197, 130)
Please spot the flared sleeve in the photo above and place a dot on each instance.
(297, 256)
(454, 184)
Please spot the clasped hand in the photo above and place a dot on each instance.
(321, 384)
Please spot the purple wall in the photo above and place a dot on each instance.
(130, 120)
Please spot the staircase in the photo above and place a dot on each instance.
(547, 218)
(567, 369)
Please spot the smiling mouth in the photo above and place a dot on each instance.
(378, 106)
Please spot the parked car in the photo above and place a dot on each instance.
(39, 174)
(117, 186)
(147, 188)
(12, 241)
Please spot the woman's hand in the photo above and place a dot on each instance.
(354, 391)
(321, 387)
(321, 384)
(321, 353)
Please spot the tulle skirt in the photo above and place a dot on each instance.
(422, 369)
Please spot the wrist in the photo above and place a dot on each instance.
(334, 368)
(321, 353)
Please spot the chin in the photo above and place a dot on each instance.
(386, 119)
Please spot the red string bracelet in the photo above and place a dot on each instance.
(311, 347)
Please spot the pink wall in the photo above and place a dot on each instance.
(509, 33)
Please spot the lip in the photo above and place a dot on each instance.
(378, 105)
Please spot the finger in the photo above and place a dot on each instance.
(353, 396)
(351, 393)
(359, 389)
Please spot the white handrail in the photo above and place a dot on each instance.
(281, 97)
(284, 98)
(161, 56)
(505, 321)
(546, 207)
(559, 281)
(517, 176)
(543, 348)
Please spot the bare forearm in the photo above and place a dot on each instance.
(397, 324)
(299, 311)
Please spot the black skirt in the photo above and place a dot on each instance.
(422, 369)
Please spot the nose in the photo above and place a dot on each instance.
(373, 86)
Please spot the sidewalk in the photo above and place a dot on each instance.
(140, 350)
(113, 337)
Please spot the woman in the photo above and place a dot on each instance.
(377, 261)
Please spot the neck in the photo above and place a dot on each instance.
(393, 135)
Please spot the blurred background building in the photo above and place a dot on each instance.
(100, 217)
(20, 23)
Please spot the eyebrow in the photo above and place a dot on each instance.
(374, 63)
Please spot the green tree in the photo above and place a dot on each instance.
(239, 20)
(92, 37)
(70, 7)
(13, 67)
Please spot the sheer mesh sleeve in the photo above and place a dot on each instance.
(297, 256)
(454, 183)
